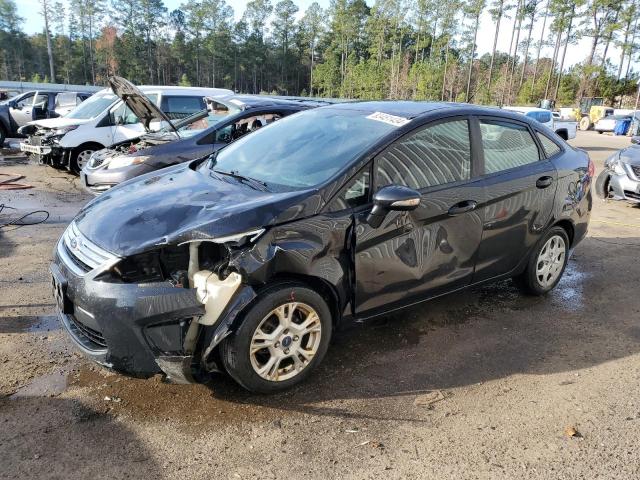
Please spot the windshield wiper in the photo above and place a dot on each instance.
(254, 182)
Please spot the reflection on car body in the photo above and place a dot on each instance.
(248, 261)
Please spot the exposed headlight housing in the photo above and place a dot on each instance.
(65, 130)
(616, 165)
(120, 162)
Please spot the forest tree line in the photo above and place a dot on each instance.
(398, 49)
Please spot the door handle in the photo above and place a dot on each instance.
(463, 207)
(544, 182)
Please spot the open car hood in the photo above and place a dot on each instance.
(140, 105)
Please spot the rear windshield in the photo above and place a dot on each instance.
(304, 149)
(93, 106)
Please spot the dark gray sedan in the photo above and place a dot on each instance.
(226, 120)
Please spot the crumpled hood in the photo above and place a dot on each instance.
(59, 122)
(179, 204)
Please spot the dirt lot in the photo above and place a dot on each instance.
(482, 384)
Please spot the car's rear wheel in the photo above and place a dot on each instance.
(282, 338)
(546, 263)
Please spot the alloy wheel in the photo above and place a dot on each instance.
(285, 342)
(83, 158)
(550, 261)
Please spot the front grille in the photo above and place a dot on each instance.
(88, 337)
(636, 170)
(79, 254)
(630, 194)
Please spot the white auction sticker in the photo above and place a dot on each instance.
(390, 119)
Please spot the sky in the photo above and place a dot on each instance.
(29, 10)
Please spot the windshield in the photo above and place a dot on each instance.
(304, 149)
(93, 106)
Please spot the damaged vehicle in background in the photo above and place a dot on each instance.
(249, 260)
(109, 116)
(201, 134)
(620, 179)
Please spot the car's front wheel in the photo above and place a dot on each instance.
(282, 338)
(546, 263)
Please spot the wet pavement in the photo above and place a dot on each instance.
(510, 374)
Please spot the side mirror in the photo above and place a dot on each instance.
(13, 104)
(392, 198)
(635, 140)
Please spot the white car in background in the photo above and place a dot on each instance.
(106, 118)
(564, 128)
(608, 123)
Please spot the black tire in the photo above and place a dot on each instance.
(3, 136)
(81, 152)
(235, 349)
(529, 281)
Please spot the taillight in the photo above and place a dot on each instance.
(591, 169)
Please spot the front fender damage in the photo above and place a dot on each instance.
(319, 249)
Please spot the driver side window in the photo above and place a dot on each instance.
(123, 116)
(25, 102)
(434, 155)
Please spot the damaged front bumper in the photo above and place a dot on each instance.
(135, 329)
(45, 151)
(142, 329)
(615, 186)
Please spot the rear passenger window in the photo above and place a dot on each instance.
(550, 147)
(434, 155)
(181, 107)
(506, 145)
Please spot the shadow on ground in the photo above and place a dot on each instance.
(480, 335)
(50, 437)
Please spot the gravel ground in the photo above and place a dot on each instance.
(481, 384)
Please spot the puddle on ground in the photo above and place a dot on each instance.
(29, 324)
(569, 291)
(48, 385)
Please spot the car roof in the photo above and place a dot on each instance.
(413, 109)
(256, 101)
(526, 109)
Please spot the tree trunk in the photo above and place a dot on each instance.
(473, 53)
(515, 51)
(493, 52)
(525, 58)
(444, 75)
(633, 42)
(513, 34)
(45, 12)
(553, 63)
(564, 53)
(535, 69)
(627, 30)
